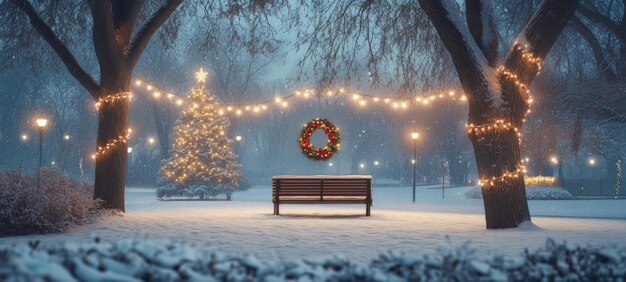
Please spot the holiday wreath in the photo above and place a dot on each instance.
(326, 152)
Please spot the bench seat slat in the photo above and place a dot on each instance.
(322, 202)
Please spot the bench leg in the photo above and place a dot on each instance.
(277, 209)
(367, 209)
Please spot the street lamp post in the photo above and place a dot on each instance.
(414, 136)
(41, 124)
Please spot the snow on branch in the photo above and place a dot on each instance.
(476, 76)
(143, 36)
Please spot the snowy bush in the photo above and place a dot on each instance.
(57, 204)
(532, 193)
(151, 260)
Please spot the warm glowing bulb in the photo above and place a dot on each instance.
(415, 135)
(66, 137)
(238, 137)
(41, 122)
(151, 140)
(24, 137)
(554, 160)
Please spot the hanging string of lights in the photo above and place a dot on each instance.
(361, 100)
(501, 124)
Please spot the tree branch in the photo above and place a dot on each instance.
(479, 16)
(471, 65)
(143, 36)
(59, 48)
(596, 17)
(538, 37)
(105, 42)
(601, 61)
(125, 15)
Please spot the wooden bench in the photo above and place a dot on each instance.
(322, 189)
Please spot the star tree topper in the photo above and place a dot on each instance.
(201, 75)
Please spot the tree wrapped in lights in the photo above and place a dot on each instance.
(202, 162)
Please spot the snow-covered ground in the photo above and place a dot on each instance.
(246, 224)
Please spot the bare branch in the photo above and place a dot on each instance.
(601, 60)
(480, 21)
(468, 59)
(596, 17)
(59, 48)
(143, 36)
(539, 35)
(107, 50)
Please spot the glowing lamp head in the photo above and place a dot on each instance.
(554, 160)
(415, 135)
(592, 161)
(238, 137)
(41, 122)
(151, 140)
(130, 150)
(66, 137)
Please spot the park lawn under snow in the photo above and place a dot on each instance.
(246, 224)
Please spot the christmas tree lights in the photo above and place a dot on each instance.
(202, 161)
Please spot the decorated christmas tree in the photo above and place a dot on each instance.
(202, 162)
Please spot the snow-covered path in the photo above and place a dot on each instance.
(246, 224)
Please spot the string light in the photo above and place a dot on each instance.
(111, 144)
(501, 124)
(113, 98)
(528, 55)
(520, 170)
(282, 103)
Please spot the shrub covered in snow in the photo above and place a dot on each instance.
(532, 193)
(151, 260)
(57, 204)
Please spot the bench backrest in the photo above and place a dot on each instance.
(321, 187)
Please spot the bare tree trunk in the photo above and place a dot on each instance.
(112, 124)
(506, 100)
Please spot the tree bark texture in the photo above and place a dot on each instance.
(497, 152)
